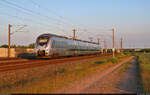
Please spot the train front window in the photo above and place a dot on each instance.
(43, 41)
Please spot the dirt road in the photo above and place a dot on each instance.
(128, 82)
(107, 81)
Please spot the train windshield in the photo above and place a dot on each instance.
(42, 41)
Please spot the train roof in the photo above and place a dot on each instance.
(53, 35)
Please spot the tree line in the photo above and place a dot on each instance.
(18, 46)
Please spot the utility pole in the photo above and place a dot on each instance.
(117, 46)
(9, 39)
(105, 47)
(113, 38)
(74, 34)
(98, 40)
(118, 49)
(121, 44)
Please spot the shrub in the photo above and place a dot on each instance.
(113, 60)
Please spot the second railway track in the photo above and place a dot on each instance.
(35, 63)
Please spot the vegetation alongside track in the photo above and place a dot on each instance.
(66, 74)
(124, 68)
(144, 64)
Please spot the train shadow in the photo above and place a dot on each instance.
(31, 56)
(26, 55)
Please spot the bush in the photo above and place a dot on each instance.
(113, 60)
(100, 62)
(4, 46)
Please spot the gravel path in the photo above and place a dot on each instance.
(130, 81)
(101, 82)
(127, 83)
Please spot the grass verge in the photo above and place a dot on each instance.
(63, 76)
(124, 68)
(144, 66)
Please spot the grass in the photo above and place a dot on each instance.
(124, 69)
(144, 65)
(65, 75)
(99, 62)
(61, 70)
(112, 60)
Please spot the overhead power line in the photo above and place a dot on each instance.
(49, 25)
(31, 11)
(53, 12)
(30, 20)
(24, 12)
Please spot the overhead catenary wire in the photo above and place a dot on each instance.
(53, 12)
(31, 11)
(93, 33)
(24, 19)
(29, 14)
(29, 20)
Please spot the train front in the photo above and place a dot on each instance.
(42, 45)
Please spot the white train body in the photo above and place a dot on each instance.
(51, 45)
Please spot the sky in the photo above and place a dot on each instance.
(91, 18)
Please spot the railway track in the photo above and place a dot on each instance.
(7, 66)
(13, 60)
(3, 59)
(7, 60)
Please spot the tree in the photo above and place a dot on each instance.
(4, 46)
(13, 46)
(31, 45)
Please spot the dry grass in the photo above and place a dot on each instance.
(144, 63)
(124, 68)
(50, 78)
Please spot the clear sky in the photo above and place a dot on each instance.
(91, 18)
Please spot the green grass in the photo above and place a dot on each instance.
(124, 69)
(113, 60)
(144, 64)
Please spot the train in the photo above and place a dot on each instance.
(54, 45)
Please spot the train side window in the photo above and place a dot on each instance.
(57, 44)
(53, 44)
(62, 44)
